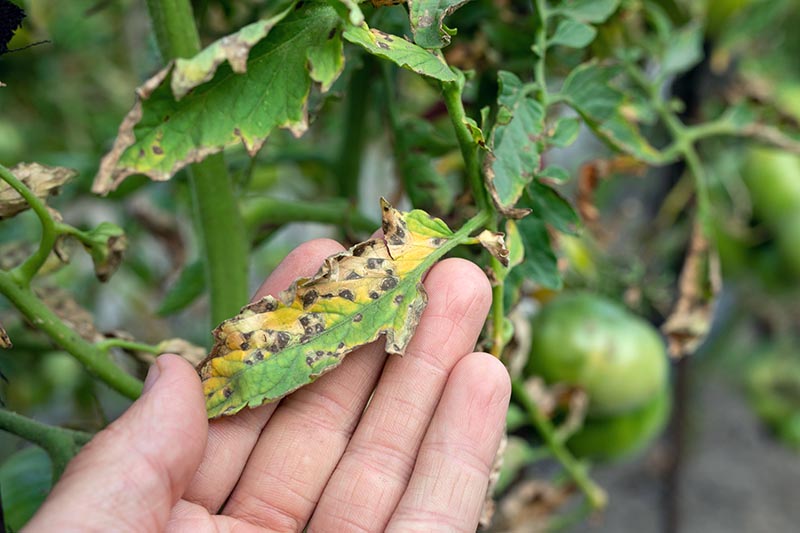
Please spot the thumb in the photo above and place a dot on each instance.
(128, 477)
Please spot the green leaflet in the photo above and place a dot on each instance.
(515, 144)
(161, 135)
(277, 345)
(589, 91)
(427, 21)
(399, 51)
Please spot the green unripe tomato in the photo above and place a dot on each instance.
(617, 436)
(588, 341)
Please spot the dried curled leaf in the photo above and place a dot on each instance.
(42, 180)
(5, 342)
(106, 244)
(495, 243)
(276, 345)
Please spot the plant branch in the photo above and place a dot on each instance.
(469, 149)
(108, 344)
(61, 444)
(595, 494)
(25, 272)
(258, 211)
(541, 52)
(217, 216)
(44, 319)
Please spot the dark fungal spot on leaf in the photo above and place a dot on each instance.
(383, 45)
(358, 317)
(340, 346)
(309, 298)
(374, 263)
(309, 360)
(396, 239)
(141, 152)
(304, 339)
(353, 275)
(158, 150)
(347, 294)
(319, 328)
(374, 295)
(399, 299)
(436, 241)
(389, 284)
(309, 330)
(227, 393)
(332, 34)
(305, 320)
(359, 249)
(244, 346)
(248, 362)
(258, 355)
(283, 340)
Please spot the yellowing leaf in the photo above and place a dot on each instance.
(277, 345)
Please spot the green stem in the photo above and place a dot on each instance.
(541, 45)
(44, 319)
(60, 444)
(224, 237)
(355, 132)
(218, 218)
(595, 494)
(258, 211)
(25, 272)
(469, 149)
(108, 344)
(498, 311)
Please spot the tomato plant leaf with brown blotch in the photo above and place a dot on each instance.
(161, 135)
(42, 180)
(276, 345)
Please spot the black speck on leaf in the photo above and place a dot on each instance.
(11, 17)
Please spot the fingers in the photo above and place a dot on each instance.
(451, 475)
(129, 475)
(231, 439)
(374, 471)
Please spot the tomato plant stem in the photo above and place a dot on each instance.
(25, 272)
(263, 210)
(595, 494)
(61, 444)
(466, 142)
(217, 216)
(44, 319)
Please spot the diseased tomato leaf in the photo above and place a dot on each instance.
(276, 345)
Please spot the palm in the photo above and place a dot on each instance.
(418, 458)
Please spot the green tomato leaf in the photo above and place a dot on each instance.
(234, 48)
(25, 480)
(566, 132)
(277, 345)
(589, 90)
(573, 34)
(540, 264)
(427, 21)
(552, 208)
(515, 144)
(160, 135)
(354, 14)
(594, 11)
(554, 172)
(683, 50)
(399, 51)
(427, 188)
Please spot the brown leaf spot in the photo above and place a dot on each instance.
(353, 275)
(157, 150)
(399, 299)
(388, 284)
(347, 294)
(374, 295)
(309, 298)
(358, 317)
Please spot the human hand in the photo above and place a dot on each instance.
(417, 458)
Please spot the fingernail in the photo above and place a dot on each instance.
(152, 376)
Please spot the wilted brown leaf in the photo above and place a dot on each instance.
(5, 342)
(688, 324)
(495, 243)
(42, 180)
(527, 508)
(63, 304)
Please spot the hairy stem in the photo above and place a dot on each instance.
(595, 494)
(25, 272)
(60, 444)
(469, 150)
(219, 222)
(41, 316)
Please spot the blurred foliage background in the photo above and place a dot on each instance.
(65, 98)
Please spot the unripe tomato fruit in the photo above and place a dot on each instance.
(588, 341)
(617, 436)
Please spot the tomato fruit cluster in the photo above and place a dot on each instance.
(617, 358)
